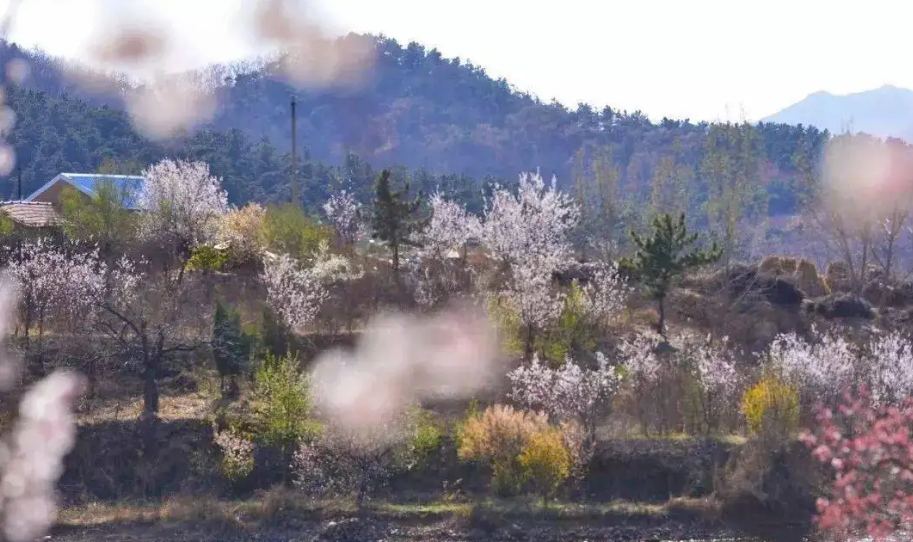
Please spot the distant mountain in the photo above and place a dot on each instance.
(883, 112)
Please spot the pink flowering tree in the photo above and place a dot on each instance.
(529, 233)
(870, 452)
(58, 283)
(716, 373)
(294, 292)
(440, 269)
(151, 315)
(343, 460)
(821, 368)
(569, 393)
(532, 226)
(606, 294)
(343, 212)
(181, 204)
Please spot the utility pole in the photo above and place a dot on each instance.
(296, 200)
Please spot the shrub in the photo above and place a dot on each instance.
(275, 336)
(498, 436)
(281, 403)
(771, 407)
(287, 230)
(208, 258)
(545, 462)
(573, 333)
(231, 347)
(237, 454)
(344, 461)
(426, 436)
(508, 323)
(241, 230)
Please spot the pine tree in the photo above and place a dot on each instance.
(393, 219)
(664, 256)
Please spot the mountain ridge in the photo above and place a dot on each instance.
(886, 111)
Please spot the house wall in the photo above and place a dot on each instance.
(52, 194)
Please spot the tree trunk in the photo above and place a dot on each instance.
(661, 326)
(395, 246)
(150, 383)
(528, 347)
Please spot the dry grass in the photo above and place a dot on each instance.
(173, 404)
(276, 507)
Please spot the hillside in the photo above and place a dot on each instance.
(418, 110)
(883, 112)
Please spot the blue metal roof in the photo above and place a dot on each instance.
(87, 183)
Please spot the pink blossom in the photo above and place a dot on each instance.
(181, 201)
(294, 292)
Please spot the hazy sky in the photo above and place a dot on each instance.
(703, 60)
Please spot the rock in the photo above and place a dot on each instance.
(349, 530)
(841, 306)
(743, 279)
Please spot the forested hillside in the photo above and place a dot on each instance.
(417, 110)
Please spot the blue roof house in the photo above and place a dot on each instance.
(87, 183)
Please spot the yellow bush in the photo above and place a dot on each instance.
(241, 229)
(545, 462)
(498, 436)
(771, 406)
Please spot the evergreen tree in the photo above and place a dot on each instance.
(664, 256)
(230, 345)
(394, 218)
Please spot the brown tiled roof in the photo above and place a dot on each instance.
(31, 214)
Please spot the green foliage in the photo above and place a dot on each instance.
(426, 438)
(545, 462)
(574, 332)
(508, 323)
(281, 404)
(207, 257)
(102, 217)
(7, 226)
(393, 218)
(664, 256)
(61, 127)
(275, 335)
(287, 229)
(771, 407)
(231, 347)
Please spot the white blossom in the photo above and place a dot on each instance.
(606, 294)
(330, 268)
(827, 364)
(532, 226)
(569, 393)
(533, 297)
(32, 454)
(890, 366)
(450, 227)
(342, 211)
(295, 293)
(181, 201)
(57, 283)
(640, 357)
(715, 368)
